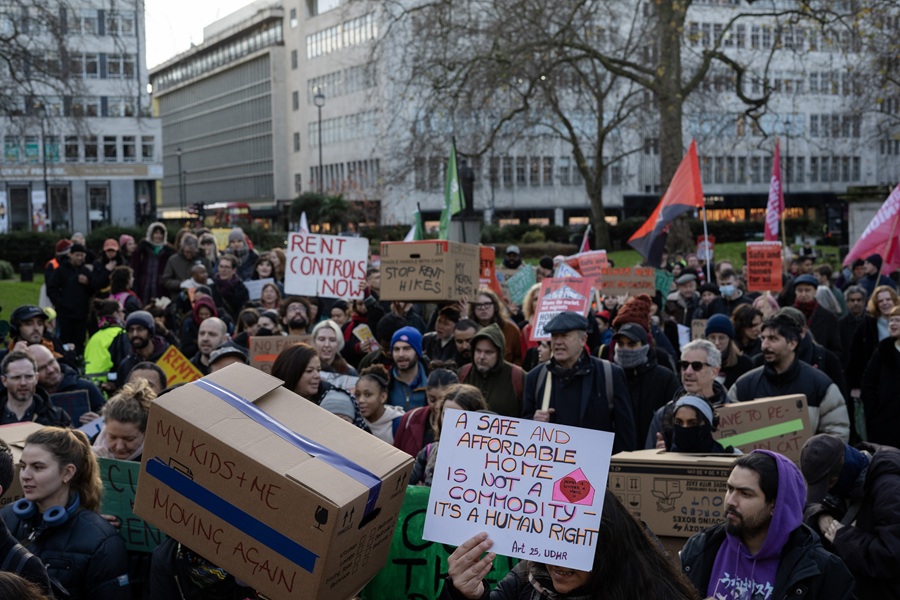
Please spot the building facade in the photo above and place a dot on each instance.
(80, 149)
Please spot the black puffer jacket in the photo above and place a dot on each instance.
(85, 554)
(650, 387)
(881, 395)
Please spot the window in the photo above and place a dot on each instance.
(521, 171)
(298, 182)
(293, 60)
(98, 205)
(535, 171)
(564, 178)
(84, 22)
(120, 66)
(120, 24)
(742, 169)
(147, 148)
(293, 18)
(11, 149)
(814, 168)
(91, 153)
(71, 148)
(296, 141)
(548, 170)
(85, 106)
(110, 149)
(755, 169)
(51, 148)
(129, 148)
(507, 171)
(295, 100)
(117, 106)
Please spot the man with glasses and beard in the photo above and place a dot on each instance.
(295, 315)
(763, 550)
(783, 374)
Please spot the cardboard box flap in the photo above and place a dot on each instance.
(14, 434)
(322, 479)
(236, 381)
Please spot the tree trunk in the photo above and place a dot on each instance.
(598, 221)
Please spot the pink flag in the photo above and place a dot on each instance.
(880, 237)
(586, 240)
(776, 199)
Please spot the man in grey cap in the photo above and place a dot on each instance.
(584, 391)
(225, 355)
(852, 501)
(681, 304)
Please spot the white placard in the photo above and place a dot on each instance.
(536, 488)
(255, 286)
(326, 266)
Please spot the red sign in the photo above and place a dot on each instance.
(560, 295)
(763, 266)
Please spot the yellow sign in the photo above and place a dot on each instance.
(177, 367)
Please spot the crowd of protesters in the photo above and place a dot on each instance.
(392, 367)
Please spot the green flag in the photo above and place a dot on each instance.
(417, 231)
(453, 198)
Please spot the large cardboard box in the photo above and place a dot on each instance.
(275, 490)
(14, 435)
(677, 495)
(780, 424)
(429, 271)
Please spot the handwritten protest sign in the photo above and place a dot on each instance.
(429, 271)
(780, 424)
(535, 488)
(591, 265)
(560, 295)
(75, 403)
(763, 266)
(706, 245)
(120, 479)
(255, 286)
(416, 567)
(633, 280)
(698, 329)
(264, 349)
(177, 367)
(519, 284)
(327, 266)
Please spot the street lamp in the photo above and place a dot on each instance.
(319, 101)
(180, 180)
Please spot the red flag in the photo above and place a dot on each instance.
(685, 193)
(586, 240)
(775, 208)
(880, 237)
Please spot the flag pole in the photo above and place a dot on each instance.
(706, 240)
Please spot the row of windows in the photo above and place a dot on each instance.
(743, 170)
(890, 147)
(343, 177)
(89, 21)
(73, 106)
(343, 82)
(81, 65)
(74, 149)
(344, 129)
(834, 126)
(770, 36)
(267, 34)
(350, 33)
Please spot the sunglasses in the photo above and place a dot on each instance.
(696, 365)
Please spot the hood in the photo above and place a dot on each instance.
(69, 378)
(493, 333)
(788, 513)
(156, 225)
(208, 303)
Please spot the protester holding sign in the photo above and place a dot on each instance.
(83, 552)
(627, 565)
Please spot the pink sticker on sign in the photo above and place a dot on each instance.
(574, 488)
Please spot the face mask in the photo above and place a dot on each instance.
(692, 439)
(727, 290)
(628, 359)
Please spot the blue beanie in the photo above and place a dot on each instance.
(719, 324)
(411, 336)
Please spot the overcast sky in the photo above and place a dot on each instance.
(172, 25)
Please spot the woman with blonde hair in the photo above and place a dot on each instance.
(122, 436)
(58, 520)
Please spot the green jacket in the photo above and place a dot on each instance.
(504, 383)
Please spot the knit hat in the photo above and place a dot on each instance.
(110, 244)
(604, 314)
(699, 404)
(709, 287)
(337, 332)
(546, 262)
(236, 235)
(875, 259)
(339, 403)
(63, 246)
(719, 324)
(141, 318)
(124, 240)
(77, 248)
(635, 310)
(411, 336)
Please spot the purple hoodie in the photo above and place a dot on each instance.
(739, 575)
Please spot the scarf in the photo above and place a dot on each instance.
(807, 308)
(629, 359)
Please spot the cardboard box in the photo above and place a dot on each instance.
(14, 435)
(780, 424)
(429, 271)
(275, 490)
(677, 495)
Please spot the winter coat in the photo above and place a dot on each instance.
(578, 396)
(31, 569)
(85, 554)
(515, 586)
(881, 395)
(806, 569)
(847, 326)
(827, 409)
(42, 410)
(178, 268)
(680, 310)
(408, 396)
(72, 382)
(662, 418)
(865, 340)
(149, 262)
(98, 354)
(100, 274)
(160, 345)
(386, 425)
(71, 298)
(650, 387)
(823, 325)
(170, 577)
(502, 395)
(432, 348)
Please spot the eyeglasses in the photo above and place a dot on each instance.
(696, 365)
(484, 305)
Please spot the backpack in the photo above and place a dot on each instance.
(607, 379)
(15, 561)
(518, 378)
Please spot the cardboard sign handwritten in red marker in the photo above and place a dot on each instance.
(327, 266)
(560, 295)
(629, 280)
(264, 349)
(590, 265)
(535, 488)
(764, 266)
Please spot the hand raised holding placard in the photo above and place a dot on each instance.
(467, 568)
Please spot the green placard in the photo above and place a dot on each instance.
(520, 283)
(664, 279)
(120, 479)
(416, 568)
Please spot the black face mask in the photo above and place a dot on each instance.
(692, 439)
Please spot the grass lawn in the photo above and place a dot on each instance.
(730, 251)
(14, 293)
